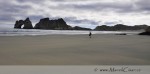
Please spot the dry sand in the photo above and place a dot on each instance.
(75, 50)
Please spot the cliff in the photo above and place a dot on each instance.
(58, 24)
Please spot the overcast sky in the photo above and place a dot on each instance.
(84, 13)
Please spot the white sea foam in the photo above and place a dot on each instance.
(23, 32)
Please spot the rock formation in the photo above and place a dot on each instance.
(18, 24)
(46, 23)
(80, 28)
(121, 34)
(27, 24)
(120, 27)
(147, 32)
(58, 24)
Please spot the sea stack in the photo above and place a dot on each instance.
(18, 24)
(27, 24)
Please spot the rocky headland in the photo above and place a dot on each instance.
(120, 27)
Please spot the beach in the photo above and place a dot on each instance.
(101, 49)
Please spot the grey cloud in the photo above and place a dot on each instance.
(35, 17)
(6, 18)
(143, 5)
(71, 0)
(58, 0)
(80, 21)
(111, 23)
(63, 0)
(12, 10)
(9, 11)
(118, 7)
(99, 6)
(34, 1)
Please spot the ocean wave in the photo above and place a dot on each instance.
(34, 32)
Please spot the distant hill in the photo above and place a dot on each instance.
(80, 28)
(120, 27)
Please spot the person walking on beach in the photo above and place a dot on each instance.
(90, 34)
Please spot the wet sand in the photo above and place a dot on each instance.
(75, 50)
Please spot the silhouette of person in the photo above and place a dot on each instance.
(90, 34)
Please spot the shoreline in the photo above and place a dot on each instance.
(24, 32)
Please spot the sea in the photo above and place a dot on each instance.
(35, 32)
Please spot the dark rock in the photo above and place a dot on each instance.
(58, 24)
(80, 28)
(18, 24)
(46, 23)
(27, 24)
(122, 34)
(148, 29)
(147, 32)
(43, 24)
(120, 27)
